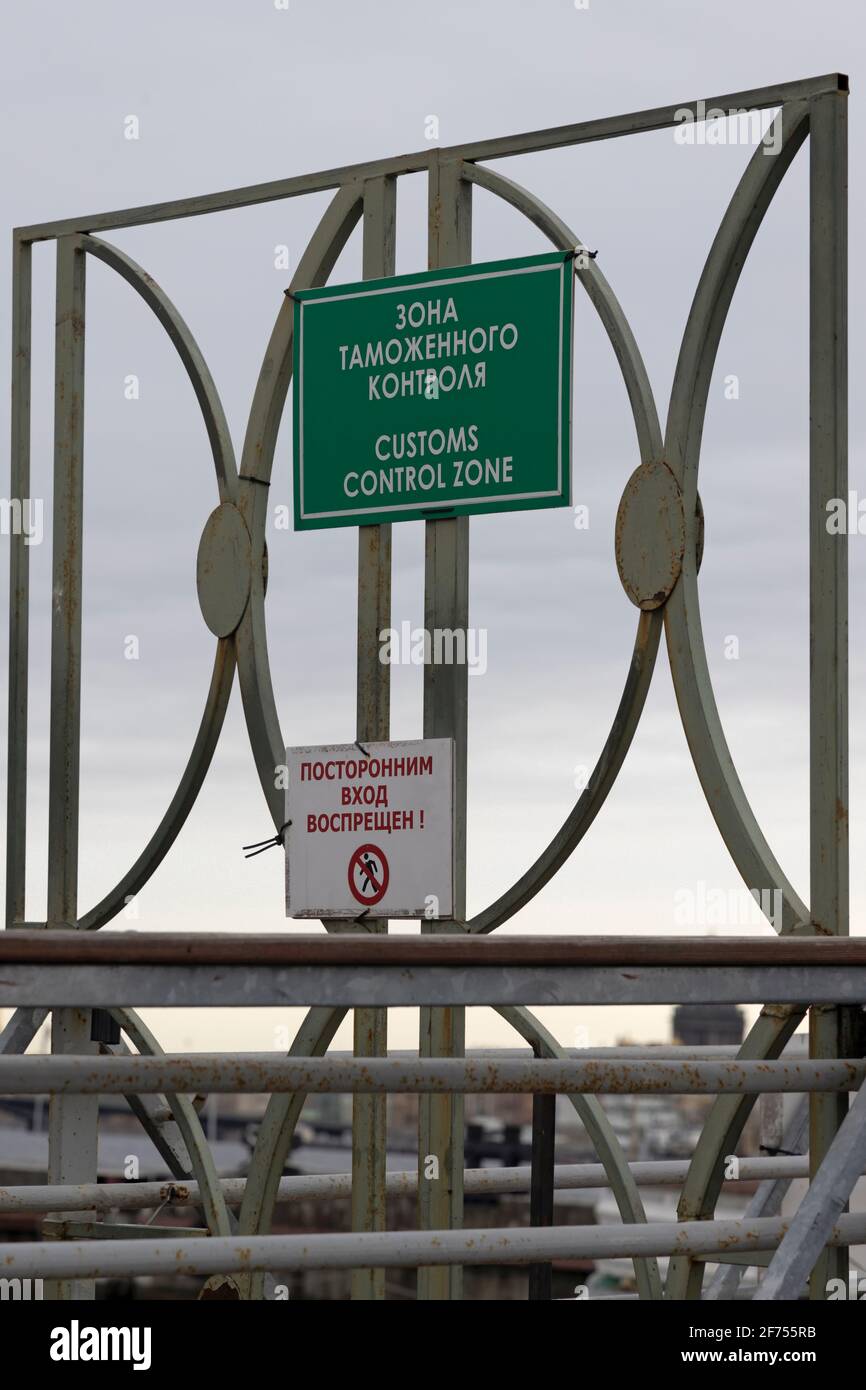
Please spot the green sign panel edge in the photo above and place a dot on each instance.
(425, 280)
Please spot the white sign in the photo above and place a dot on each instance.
(370, 830)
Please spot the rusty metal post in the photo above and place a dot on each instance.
(828, 556)
(541, 1189)
(369, 1113)
(446, 607)
(73, 1120)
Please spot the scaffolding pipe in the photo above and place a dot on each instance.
(264, 1073)
(142, 1196)
(399, 1249)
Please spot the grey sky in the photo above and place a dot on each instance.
(230, 93)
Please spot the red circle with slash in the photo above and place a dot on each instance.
(368, 875)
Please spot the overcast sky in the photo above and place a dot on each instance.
(229, 93)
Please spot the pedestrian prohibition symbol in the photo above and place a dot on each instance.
(368, 875)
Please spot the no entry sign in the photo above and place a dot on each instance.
(369, 875)
(434, 394)
(370, 830)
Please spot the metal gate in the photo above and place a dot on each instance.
(59, 965)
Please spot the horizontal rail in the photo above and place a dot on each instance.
(453, 949)
(264, 1073)
(651, 1052)
(140, 1196)
(111, 970)
(399, 1249)
(530, 142)
(357, 986)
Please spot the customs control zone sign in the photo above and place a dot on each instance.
(433, 395)
(371, 830)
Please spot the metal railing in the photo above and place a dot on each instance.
(72, 969)
(123, 963)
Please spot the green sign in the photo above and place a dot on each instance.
(434, 394)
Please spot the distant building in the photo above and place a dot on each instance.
(708, 1025)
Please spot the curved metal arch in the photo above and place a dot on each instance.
(222, 675)
(590, 801)
(188, 351)
(186, 1118)
(649, 626)
(607, 1146)
(698, 711)
(274, 1138)
(257, 460)
(184, 798)
(719, 1136)
(23, 1027)
(602, 297)
(19, 1031)
(697, 706)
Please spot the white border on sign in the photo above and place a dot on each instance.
(433, 284)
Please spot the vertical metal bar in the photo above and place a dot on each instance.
(446, 606)
(828, 555)
(73, 1120)
(541, 1187)
(19, 589)
(65, 737)
(369, 1113)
